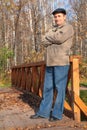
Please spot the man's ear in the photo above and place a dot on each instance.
(64, 17)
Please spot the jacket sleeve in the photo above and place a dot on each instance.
(45, 42)
(60, 36)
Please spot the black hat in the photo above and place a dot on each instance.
(59, 10)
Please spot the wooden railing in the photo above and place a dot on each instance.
(30, 77)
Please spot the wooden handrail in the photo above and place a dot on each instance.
(29, 65)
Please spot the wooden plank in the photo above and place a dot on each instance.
(19, 78)
(74, 57)
(42, 74)
(23, 79)
(80, 104)
(67, 106)
(75, 87)
(28, 79)
(30, 65)
(35, 80)
(12, 76)
(15, 77)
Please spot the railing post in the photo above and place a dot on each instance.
(75, 86)
(12, 77)
(42, 74)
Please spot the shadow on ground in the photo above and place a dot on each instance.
(31, 99)
(34, 101)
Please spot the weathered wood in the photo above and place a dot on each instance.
(23, 84)
(67, 106)
(74, 57)
(42, 73)
(75, 87)
(35, 80)
(80, 103)
(12, 77)
(15, 76)
(28, 79)
(68, 93)
(19, 78)
(30, 65)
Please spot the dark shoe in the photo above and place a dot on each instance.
(35, 116)
(52, 119)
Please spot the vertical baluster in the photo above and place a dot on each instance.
(12, 77)
(23, 85)
(35, 79)
(29, 79)
(42, 73)
(19, 78)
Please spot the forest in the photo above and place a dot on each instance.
(23, 23)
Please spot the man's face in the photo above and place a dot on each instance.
(59, 18)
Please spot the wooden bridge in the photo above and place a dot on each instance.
(30, 78)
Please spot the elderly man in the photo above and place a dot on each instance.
(58, 42)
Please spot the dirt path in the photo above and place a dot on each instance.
(16, 108)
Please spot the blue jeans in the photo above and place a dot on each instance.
(55, 78)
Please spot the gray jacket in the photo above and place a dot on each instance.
(58, 42)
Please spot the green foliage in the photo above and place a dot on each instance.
(5, 82)
(83, 72)
(83, 83)
(5, 54)
(83, 95)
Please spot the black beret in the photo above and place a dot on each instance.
(59, 10)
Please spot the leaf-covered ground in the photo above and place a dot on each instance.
(16, 108)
